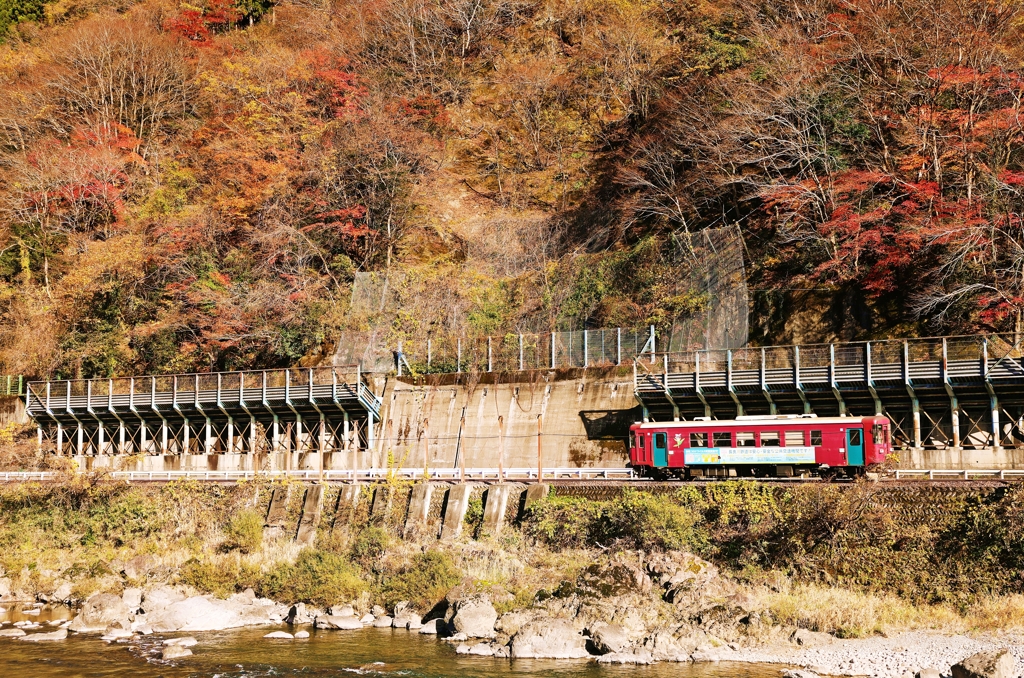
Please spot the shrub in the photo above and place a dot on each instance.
(317, 577)
(563, 521)
(423, 581)
(369, 547)
(245, 532)
(645, 521)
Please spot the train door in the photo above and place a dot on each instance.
(661, 449)
(855, 446)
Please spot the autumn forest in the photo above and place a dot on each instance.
(192, 187)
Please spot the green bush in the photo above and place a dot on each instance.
(563, 521)
(317, 577)
(645, 521)
(245, 532)
(369, 547)
(474, 517)
(423, 581)
(221, 579)
(13, 11)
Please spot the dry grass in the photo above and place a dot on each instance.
(852, 614)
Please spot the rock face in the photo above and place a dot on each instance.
(159, 597)
(99, 612)
(548, 639)
(989, 664)
(204, 613)
(609, 638)
(473, 616)
(139, 566)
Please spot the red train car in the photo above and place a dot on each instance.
(780, 445)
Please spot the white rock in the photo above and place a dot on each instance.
(184, 641)
(283, 635)
(474, 616)
(59, 634)
(462, 649)
(99, 612)
(383, 622)
(482, 649)
(11, 633)
(30, 611)
(302, 634)
(175, 652)
(430, 627)
(548, 639)
(367, 618)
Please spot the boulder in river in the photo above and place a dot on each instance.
(175, 652)
(59, 634)
(184, 641)
(988, 664)
(11, 633)
(279, 635)
(205, 613)
(474, 616)
(384, 622)
(159, 597)
(548, 639)
(328, 621)
(100, 612)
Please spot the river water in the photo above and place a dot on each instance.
(244, 653)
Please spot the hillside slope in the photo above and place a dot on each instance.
(196, 186)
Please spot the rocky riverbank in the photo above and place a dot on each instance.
(624, 608)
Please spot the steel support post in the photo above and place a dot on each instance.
(697, 387)
(586, 351)
(870, 379)
(997, 438)
(520, 352)
(954, 404)
(552, 350)
(668, 394)
(914, 404)
(832, 379)
(796, 380)
(347, 445)
(618, 345)
(764, 385)
(490, 365)
(728, 382)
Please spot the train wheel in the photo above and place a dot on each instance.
(829, 475)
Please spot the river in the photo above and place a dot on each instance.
(244, 653)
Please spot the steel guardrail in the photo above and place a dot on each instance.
(469, 474)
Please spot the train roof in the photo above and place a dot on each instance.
(781, 420)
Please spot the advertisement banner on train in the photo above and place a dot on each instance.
(695, 456)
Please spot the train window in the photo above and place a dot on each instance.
(641, 436)
(722, 438)
(794, 438)
(876, 434)
(698, 440)
(815, 438)
(855, 437)
(770, 439)
(745, 439)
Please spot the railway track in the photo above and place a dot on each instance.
(557, 476)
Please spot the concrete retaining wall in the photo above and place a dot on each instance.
(12, 411)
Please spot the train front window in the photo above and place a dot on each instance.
(815, 438)
(877, 437)
(698, 440)
(640, 437)
(722, 438)
(770, 439)
(794, 438)
(745, 439)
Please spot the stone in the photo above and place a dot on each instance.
(367, 619)
(384, 622)
(115, 633)
(283, 635)
(5, 587)
(799, 673)
(414, 625)
(11, 633)
(431, 626)
(501, 651)
(641, 657)
(378, 611)
(139, 566)
(548, 639)
(475, 616)
(183, 641)
(132, 598)
(341, 611)
(807, 637)
(609, 639)
(329, 621)
(205, 613)
(622, 574)
(510, 622)
(462, 649)
(712, 654)
(59, 634)
(99, 612)
(298, 614)
(143, 630)
(301, 635)
(482, 650)
(62, 593)
(928, 673)
(175, 652)
(988, 664)
(160, 597)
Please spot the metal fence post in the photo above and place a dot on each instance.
(429, 353)
(586, 353)
(458, 359)
(490, 364)
(520, 352)
(552, 350)
(618, 345)
(653, 344)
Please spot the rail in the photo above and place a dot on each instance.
(959, 474)
(360, 475)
